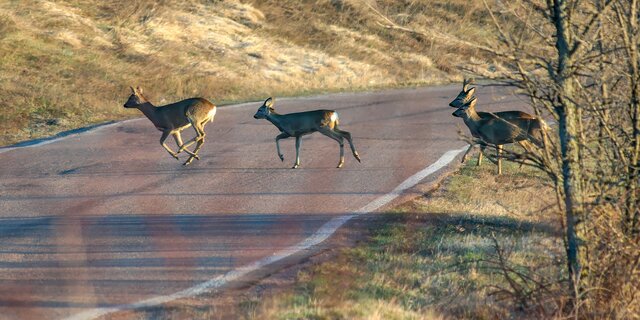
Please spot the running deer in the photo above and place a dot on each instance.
(303, 123)
(465, 96)
(494, 130)
(171, 119)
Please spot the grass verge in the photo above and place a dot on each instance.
(66, 64)
(482, 246)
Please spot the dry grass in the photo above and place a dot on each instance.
(437, 258)
(68, 63)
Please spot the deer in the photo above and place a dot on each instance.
(173, 118)
(465, 96)
(491, 129)
(303, 123)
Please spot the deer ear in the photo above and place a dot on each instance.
(470, 92)
(466, 83)
(139, 90)
(133, 90)
(269, 102)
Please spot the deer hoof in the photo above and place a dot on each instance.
(281, 157)
(188, 161)
(295, 166)
(357, 156)
(175, 155)
(340, 165)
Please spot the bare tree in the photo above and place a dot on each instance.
(627, 18)
(577, 61)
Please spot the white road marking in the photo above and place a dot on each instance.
(84, 130)
(81, 131)
(318, 237)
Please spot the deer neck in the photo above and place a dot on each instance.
(472, 120)
(149, 110)
(472, 114)
(276, 120)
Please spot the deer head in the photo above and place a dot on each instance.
(265, 109)
(136, 99)
(462, 111)
(464, 96)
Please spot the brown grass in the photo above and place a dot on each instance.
(65, 64)
(438, 259)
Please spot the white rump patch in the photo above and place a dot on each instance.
(334, 116)
(211, 114)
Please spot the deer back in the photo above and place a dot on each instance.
(501, 131)
(176, 115)
(300, 123)
(508, 115)
(497, 130)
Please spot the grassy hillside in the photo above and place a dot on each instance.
(68, 63)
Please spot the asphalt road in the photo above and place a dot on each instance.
(107, 217)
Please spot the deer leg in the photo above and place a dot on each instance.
(464, 156)
(525, 145)
(199, 127)
(498, 155)
(178, 137)
(347, 136)
(164, 136)
(482, 147)
(297, 164)
(337, 137)
(283, 135)
(200, 141)
(298, 142)
(199, 135)
(190, 142)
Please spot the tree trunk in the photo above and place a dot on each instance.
(634, 74)
(569, 140)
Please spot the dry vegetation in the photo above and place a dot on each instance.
(578, 62)
(439, 257)
(67, 63)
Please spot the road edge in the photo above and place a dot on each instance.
(322, 234)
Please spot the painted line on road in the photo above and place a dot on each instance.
(97, 127)
(318, 237)
(88, 130)
(62, 136)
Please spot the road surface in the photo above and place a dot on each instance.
(107, 217)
